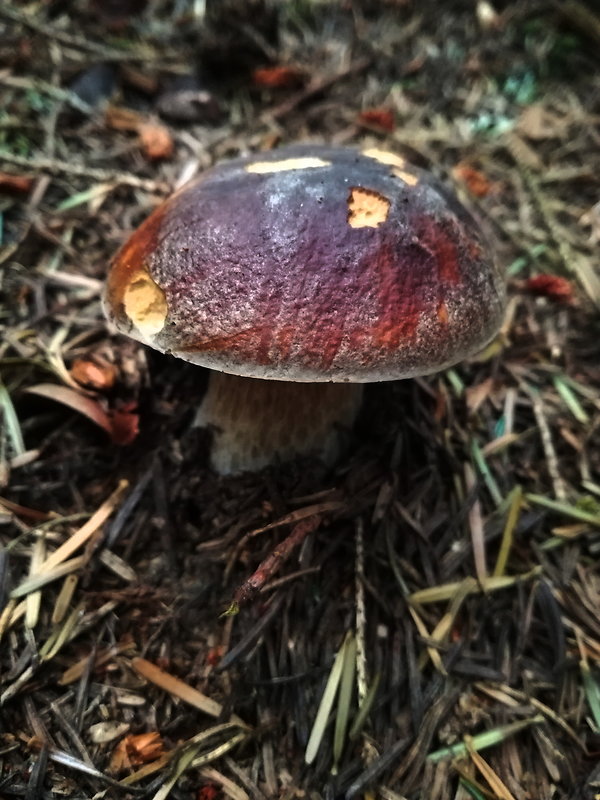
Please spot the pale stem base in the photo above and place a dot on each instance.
(258, 422)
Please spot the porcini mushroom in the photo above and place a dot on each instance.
(298, 275)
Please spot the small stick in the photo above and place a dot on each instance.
(316, 87)
(54, 165)
(272, 563)
(361, 614)
(558, 484)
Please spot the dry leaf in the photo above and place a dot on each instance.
(476, 395)
(134, 750)
(378, 117)
(23, 511)
(121, 426)
(476, 182)
(15, 184)
(552, 286)
(92, 375)
(537, 123)
(155, 140)
(125, 425)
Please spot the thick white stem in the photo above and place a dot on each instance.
(257, 422)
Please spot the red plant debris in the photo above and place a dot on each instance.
(552, 286)
(379, 118)
(278, 77)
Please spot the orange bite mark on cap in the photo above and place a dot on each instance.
(367, 208)
(145, 304)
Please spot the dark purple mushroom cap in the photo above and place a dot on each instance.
(310, 263)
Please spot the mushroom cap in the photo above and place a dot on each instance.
(310, 263)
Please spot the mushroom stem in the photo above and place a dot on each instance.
(258, 422)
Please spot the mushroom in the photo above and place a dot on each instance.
(297, 276)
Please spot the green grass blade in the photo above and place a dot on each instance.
(592, 692)
(570, 400)
(483, 740)
(345, 698)
(325, 706)
(363, 711)
(565, 509)
(11, 421)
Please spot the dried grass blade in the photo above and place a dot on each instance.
(500, 443)
(62, 635)
(84, 533)
(75, 671)
(64, 598)
(494, 782)
(176, 687)
(434, 655)
(11, 614)
(229, 788)
(147, 769)
(442, 629)
(115, 564)
(36, 582)
(34, 599)
(220, 750)
(325, 706)
(516, 496)
(476, 528)
(445, 591)
(183, 763)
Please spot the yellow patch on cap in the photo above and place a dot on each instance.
(407, 177)
(367, 208)
(145, 304)
(307, 162)
(385, 157)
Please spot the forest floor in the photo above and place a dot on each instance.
(451, 561)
